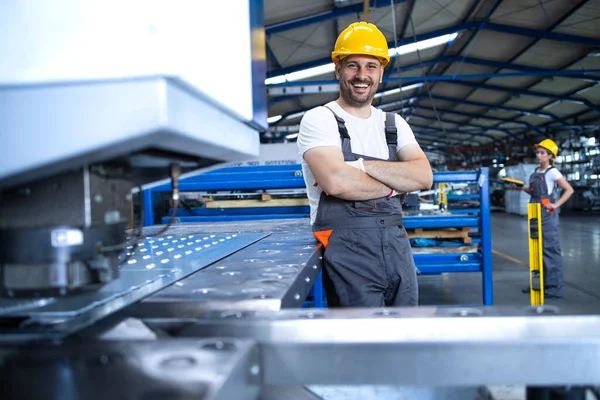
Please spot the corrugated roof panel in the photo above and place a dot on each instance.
(584, 22)
(513, 81)
(302, 44)
(446, 88)
(442, 104)
(533, 14)
(416, 59)
(421, 111)
(551, 54)
(497, 113)
(484, 122)
(564, 108)
(381, 17)
(453, 117)
(430, 15)
(527, 102)
(488, 96)
(469, 109)
(591, 93)
(496, 46)
(277, 11)
(559, 86)
(535, 120)
(465, 68)
(592, 61)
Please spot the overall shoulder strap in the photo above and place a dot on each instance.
(391, 132)
(341, 124)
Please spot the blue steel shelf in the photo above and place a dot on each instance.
(463, 197)
(451, 221)
(464, 210)
(448, 263)
(221, 218)
(290, 176)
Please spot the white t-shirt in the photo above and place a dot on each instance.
(319, 128)
(551, 177)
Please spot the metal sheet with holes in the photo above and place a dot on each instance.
(424, 346)
(170, 369)
(277, 272)
(157, 263)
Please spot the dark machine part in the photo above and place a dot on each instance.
(64, 233)
(411, 201)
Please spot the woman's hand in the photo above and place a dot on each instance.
(551, 207)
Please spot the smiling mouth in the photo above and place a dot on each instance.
(360, 88)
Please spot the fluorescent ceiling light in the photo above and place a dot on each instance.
(422, 45)
(276, 118)
(323, 69)
(303, 74)
(291, 136)
(398, 90)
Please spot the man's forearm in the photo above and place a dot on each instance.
(351, 183)
(402, 176)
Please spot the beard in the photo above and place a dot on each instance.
(356, 99)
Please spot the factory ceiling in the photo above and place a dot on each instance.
(467, 73)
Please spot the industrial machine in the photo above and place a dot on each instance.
(84, 120)
(99, 99)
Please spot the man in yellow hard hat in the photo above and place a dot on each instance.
(356, 160)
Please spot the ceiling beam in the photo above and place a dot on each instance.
(526, 92)
(485, 128)
(475, 116)
(549, 35)
(419, 128)
(358, 8)
(325, 16)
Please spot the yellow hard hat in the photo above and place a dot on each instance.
(549, 145)
(361, 38)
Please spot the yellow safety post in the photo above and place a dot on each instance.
(442, 196)
(536, 270)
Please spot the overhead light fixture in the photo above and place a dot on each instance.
(303, 74)
(422, 44)
(291, 136)
(326, 68)
(276, 118)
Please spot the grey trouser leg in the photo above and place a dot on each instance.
(552, 255)
(370, 268)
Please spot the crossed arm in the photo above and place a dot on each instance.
(338, 179)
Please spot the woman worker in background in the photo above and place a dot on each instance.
(542, 183)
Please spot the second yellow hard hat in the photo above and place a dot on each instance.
(549, 145)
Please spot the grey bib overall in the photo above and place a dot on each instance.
(552, 255)
(367, 260)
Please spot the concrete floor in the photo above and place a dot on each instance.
(580, 243)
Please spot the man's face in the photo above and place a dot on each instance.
(359, 78)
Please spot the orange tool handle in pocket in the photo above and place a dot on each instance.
(323, 236)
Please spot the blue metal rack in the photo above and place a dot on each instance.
(290, 177)
(456, 262)
(261, 177)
